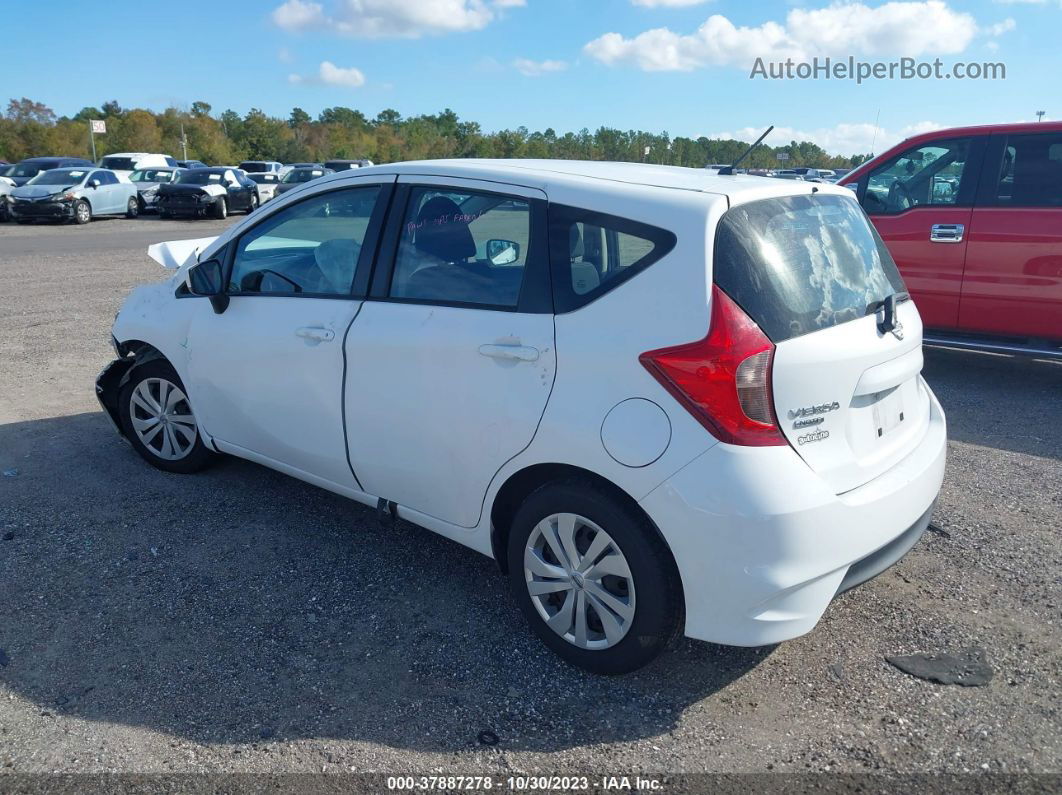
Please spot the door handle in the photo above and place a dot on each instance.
(315, 334)
(946, 233)
(520, 353)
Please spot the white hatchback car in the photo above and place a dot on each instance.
(664, 401)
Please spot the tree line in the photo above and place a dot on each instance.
(29, 128)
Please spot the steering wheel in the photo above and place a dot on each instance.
(900, 196)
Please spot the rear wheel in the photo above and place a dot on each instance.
(593, 577)
(254, 204)
(159, 421)
(82, 212)
(132, 208)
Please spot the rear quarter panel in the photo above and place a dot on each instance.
(599, 344)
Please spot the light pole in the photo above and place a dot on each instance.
(1040, 115)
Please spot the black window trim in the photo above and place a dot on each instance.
(369, 245)
(561, 217)
(988, 185)
(535, 291)
(968, 188)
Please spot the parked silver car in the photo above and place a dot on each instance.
(74, 194)
(147, 182)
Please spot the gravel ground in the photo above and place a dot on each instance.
(240, 620)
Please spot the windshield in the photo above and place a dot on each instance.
(263, 179)
(803, 263)
(59, 176)
(26, 170)
(151, 175)
(119, 163)
(254, 165)
(302, 175)
(199, 177)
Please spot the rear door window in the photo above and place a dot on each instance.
(799, 264)
(1031, 172)
(592, 253)
(463, 247)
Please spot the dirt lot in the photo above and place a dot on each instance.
(239, 620)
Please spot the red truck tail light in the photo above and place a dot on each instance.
(724, 380)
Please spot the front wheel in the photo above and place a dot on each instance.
(221, 209)
(82, 212)
(132, 208)
(159, 421)
(593, 577)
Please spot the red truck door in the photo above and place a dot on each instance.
(1013, 278)
(921, 202)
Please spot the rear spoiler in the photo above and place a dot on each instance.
(173, 254)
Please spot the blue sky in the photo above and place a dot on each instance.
(676, 65)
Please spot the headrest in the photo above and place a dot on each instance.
(442, 231)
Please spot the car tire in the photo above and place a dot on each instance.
(612, 623)
(172, 442)
(132, 207)
(254, 204)
(221, 209)
(82, 212)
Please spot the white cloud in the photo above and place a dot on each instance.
(841, 29)
(390, 18)
(284, 55)
(297, 15)
(531, 68)
(669, 3)
(1000, 28)
(331, 75)
(841, 139)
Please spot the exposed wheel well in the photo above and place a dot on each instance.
(141, 351)
(522, 483)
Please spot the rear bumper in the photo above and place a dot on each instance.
(763, 545)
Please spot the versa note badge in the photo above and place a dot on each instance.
(811, 411)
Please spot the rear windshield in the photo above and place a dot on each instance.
(254, 166)
(302, 175)
(803, 263)
(119, 163)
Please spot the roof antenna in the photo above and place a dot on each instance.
(729, 170)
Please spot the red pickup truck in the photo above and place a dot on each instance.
(973, 218)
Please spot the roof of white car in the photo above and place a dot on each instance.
(541, 173)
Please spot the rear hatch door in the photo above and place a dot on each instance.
(813, 273)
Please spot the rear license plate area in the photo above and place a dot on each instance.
(888, 412)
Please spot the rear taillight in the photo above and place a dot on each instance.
(724, 380)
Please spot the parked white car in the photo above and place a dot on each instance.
(125, 163)
(267, 182)
(662, 400)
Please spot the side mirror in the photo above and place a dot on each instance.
(208, 279)
(94, 183)
(502, 252)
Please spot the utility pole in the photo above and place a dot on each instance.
(1040, 115)
(96, 126)
(184, 143)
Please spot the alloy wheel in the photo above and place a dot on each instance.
(162, 418)
(579, 581)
